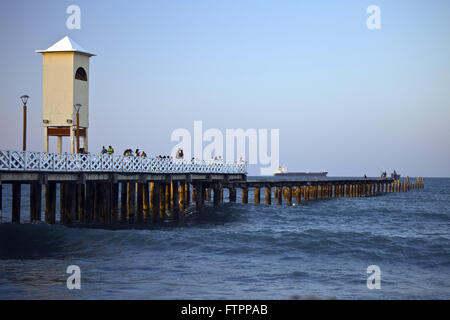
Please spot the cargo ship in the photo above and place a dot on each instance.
(284, 173)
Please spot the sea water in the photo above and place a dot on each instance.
(318, 249)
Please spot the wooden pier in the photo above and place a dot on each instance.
(108, 190)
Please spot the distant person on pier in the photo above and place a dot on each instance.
(365, 177)
(143, 154)
(110, 151)
(137, 154)
(180, 153)
(104, 151)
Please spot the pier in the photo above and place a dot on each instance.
(108, 190)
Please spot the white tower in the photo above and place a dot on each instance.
(65, 84)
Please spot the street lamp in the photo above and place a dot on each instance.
(24, 99)
(77, 109)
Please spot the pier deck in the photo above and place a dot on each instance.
(95, 190)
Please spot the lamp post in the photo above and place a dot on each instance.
(24, 99)
(77, 109)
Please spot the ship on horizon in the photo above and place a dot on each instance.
(283, 172)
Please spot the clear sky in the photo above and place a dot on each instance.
(345, 98)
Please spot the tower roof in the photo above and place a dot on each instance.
(66, 45)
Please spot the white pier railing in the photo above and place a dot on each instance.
(59, 162)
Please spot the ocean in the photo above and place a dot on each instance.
(319, 249)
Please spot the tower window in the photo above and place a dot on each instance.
(81, 74)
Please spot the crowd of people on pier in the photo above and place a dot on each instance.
(179, 155)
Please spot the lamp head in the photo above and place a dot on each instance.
(24, 99)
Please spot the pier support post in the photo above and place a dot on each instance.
(50, 202)
(279, 195)
(35, 202)
(268, 195)
(257, 195)
(198, 195)
(162, 201)
(146, 201)
(233, 195)
(216, 195)
(182, 193)
(114, 202)
(155, 199)
(298, 195)
(167, 198)
(62, 202)
(131, 208)
(139, 202)
(244, 195)
(81, 202)
(106, 203)
(187, 187)
(89, 202)
(152, 197)
(71, 203)
(97, 202)
(123, 201)
(289, 195)
(16, 198)
(176, 201)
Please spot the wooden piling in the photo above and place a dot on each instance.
(114, 202)
(106, 204)
(139, 202)
(198, 195)
(188, 193)
(152, 197)
(35, 202)
(123, 201)
(268, 195)
(162, 201)
(167, 199)
(131, 200)
(81, 197)
(257, 192)
(232, 194)
(62, 202)
(50, 202)
(244, 195)
(279, 196)
(289, 195)
(298, 195)
(146, 201)
(16, 198)
(182, 194)
(155, 200)
(175, 200)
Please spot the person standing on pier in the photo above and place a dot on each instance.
(104, 151)
(180, 153)
(110, 151)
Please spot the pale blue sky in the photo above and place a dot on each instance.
(345, 98)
